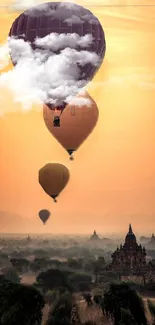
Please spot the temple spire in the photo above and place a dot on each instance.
(130, 229)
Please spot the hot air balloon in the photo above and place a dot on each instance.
(53, 178)
(62, 18)
(44, 215)
(77, 123)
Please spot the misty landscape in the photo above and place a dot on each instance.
(73, 276)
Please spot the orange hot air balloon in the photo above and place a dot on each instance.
(77, 122)
(53, 178)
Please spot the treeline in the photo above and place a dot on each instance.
(119, 303)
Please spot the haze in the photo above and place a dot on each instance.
(113, 175)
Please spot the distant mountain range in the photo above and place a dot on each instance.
(12, 222)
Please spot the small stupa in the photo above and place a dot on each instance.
(152, 240)
(28, 239)
(94, 236)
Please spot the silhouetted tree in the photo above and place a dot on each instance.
(20, 304)
(120, 295)
(80, 281)
(97, 267)
(126, 318)
(38, 264)
(41, 253)
(88, 298)
(108, 276)
(51, 296)
(21, 264)
(75, 264)
(90, 322)
(61, 312)
(53, 263)
(52, 279)
(97, 299)
(3, 279)
(4, 260)
(11, 274)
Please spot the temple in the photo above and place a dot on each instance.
(129, 258)
(151, 243)
(94, 236)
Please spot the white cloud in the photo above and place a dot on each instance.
(55, 41)
(43, 76)
(80, 101)
(74, 19)
(4, 55)
(19, 49)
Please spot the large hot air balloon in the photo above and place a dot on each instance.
(53, 178)
(44, 215)
(62, 18)
(77, 123)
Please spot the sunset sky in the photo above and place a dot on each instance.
(112, 179)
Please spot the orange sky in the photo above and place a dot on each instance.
(113, 175)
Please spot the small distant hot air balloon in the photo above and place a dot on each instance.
(53, 178)
(77, 123)
(44, 215)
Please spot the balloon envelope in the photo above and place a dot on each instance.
(44, 215)
(57, 17)
(53, 178)
(77, 122)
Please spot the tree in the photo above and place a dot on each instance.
(11, 274)
(120, 295)
(51, 296)
(38, 264)
(80, 281)
(126, 318)
(52, 279)
(21, 264)
(41, 253)
(151, 307)
(53, 263)
(90, 322)
(97, 267)
(3, 279)
(97, 299)
(88, 299)
(61, 313)
(20, 304)
(4, 260)
(75, 264)
(108, 277)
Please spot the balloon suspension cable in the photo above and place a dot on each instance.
(71, 157)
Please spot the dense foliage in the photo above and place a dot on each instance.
(20, 304)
